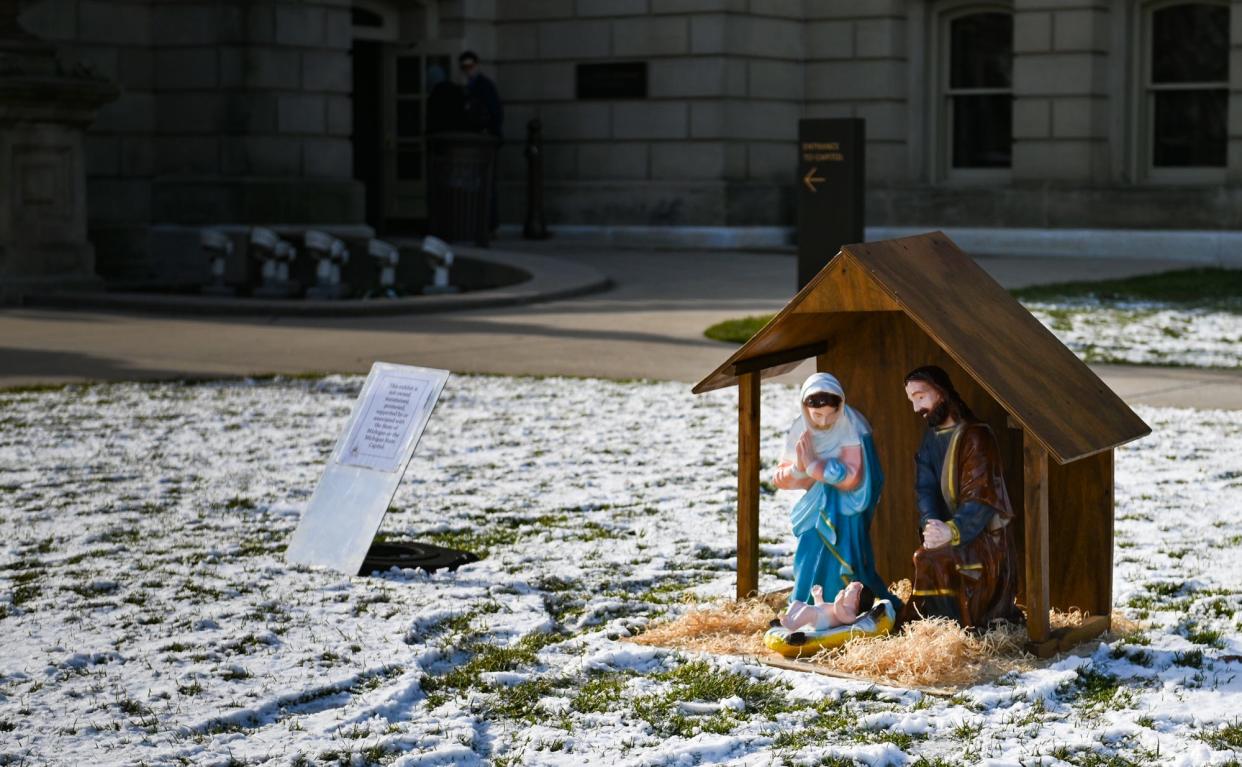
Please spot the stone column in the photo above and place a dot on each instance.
(44, 112)
(253, 113)
(253, 118)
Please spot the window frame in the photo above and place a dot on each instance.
(1144, 112)
(943, 93)
(388, 28)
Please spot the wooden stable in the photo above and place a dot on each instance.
(881, 309)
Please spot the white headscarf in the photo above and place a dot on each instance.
(828, 442)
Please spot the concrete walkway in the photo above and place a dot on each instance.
(649, 325)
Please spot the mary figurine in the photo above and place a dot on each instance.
(830, 453)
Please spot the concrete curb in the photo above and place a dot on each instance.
(1206, 248)
(550, 279)
(673, 237)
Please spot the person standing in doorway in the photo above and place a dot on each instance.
(483, 108)
(446, 102)
(484, 112)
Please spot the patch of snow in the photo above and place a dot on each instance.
(1145, 333)
(149, 615)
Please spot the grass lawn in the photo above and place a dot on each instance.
(1213, 288)
(1209, 288)
(738, 331)
(149, 615)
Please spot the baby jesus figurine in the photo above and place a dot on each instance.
(851, 602)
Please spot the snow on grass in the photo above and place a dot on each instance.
(1145, 333)
(148, 616)
(1109, 331)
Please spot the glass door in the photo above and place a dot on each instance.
(410, 74)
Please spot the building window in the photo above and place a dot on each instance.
(361, 17)
(976, 93)
(1185, 90)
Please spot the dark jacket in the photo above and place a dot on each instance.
(483, 108)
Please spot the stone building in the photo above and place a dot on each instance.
(1079, 114)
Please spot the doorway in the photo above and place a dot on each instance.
(409, 74)
(391, 84)
(367, 134)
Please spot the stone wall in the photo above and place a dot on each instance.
(232, 111)
(714, 143)
(857, 65)
(724, 97)
(239, 111)
(1061, 92)
(253, 114)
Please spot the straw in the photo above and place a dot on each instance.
(935, 652)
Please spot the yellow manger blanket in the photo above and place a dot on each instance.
(806, 642)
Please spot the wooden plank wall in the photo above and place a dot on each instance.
(871, 363)
(1080, 531)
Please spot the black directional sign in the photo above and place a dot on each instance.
(830, 190)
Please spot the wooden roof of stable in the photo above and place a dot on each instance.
(1036, 378)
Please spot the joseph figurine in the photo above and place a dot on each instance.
(966, 568)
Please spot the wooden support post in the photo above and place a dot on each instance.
(748, 485)
(1035, 506)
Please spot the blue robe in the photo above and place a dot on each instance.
(833, 528)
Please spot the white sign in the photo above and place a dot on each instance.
(356, 488)
(396, 402)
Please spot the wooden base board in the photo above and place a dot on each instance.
(1061, 640)
(815, 668)
(1064, 639)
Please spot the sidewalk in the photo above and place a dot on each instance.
(650, 325)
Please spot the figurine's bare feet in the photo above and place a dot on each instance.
(799, 614)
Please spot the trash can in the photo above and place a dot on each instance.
(461, 169)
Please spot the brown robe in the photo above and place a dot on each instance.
(974, 582)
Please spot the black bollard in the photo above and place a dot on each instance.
(536, 226)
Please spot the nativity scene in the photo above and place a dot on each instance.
(967, 480)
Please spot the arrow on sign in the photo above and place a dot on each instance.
(810, 178)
